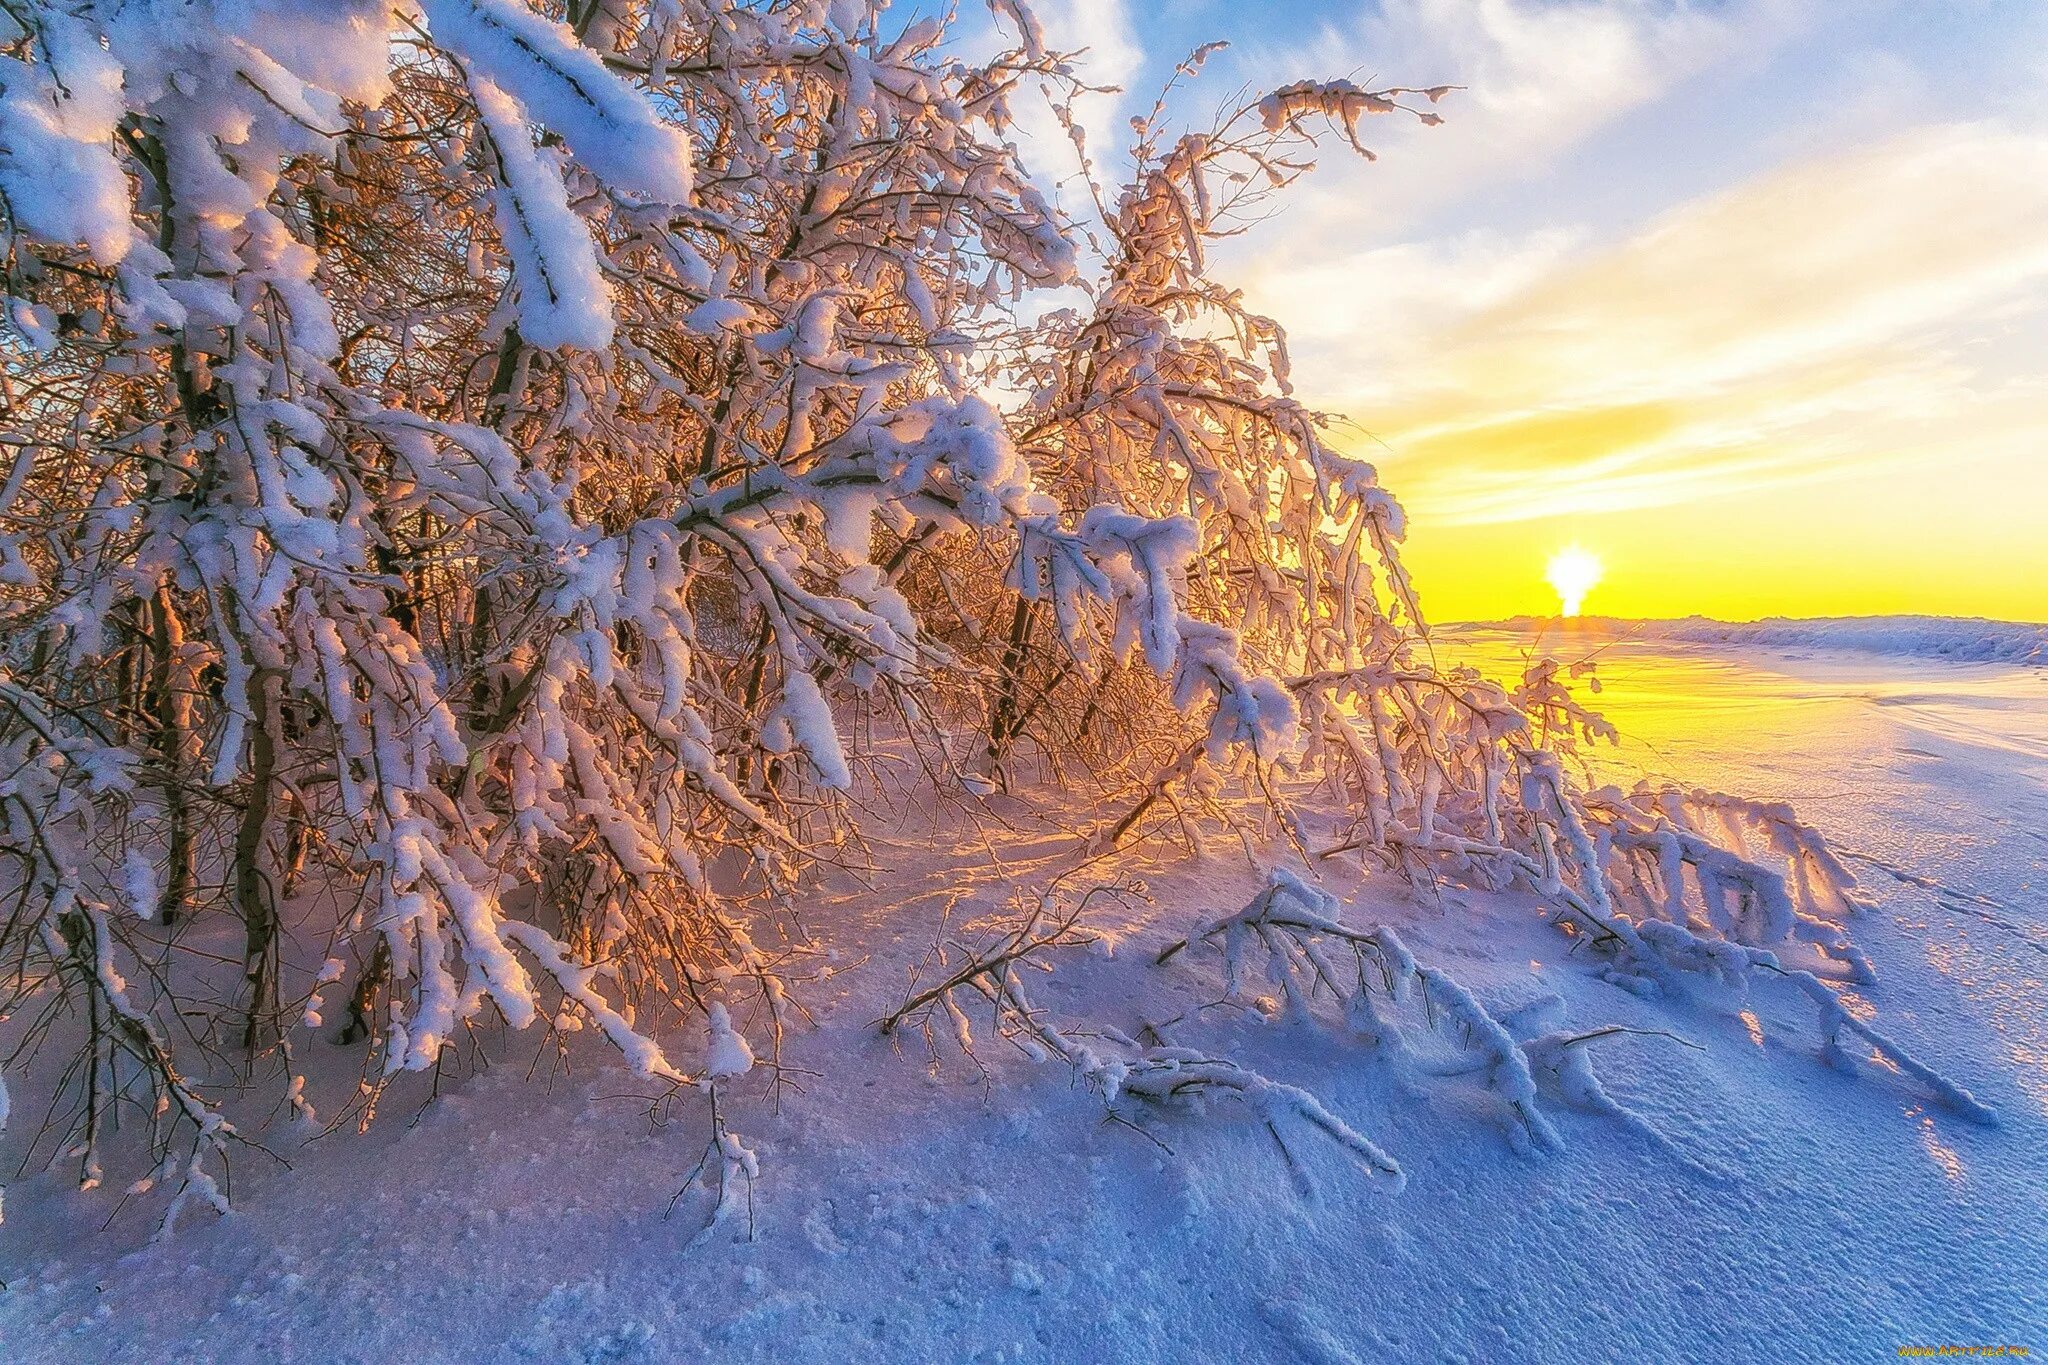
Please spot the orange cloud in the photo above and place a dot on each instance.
(1811, 349)
(1821, 312)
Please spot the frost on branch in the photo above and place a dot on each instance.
(1368, 977)
(610, 127)
(561, 295)
(1341, 102)
(1739, 922)
(489, 487)
(728, 1167)
(383, 565)
(1122, 1074)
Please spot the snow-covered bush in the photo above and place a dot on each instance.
(472, 466)
(1369, 976)
(1389, 1001)
(1121, 1072)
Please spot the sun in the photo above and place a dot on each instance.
(1574, 573)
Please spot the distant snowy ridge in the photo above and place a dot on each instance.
(1971, 639)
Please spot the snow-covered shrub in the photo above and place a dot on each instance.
(1368, 977)
(448, 447)
(1121, 1072)
(472, 467)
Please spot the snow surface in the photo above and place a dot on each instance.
(1965, 639)
(1775, 1208)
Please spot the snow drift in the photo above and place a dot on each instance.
(1959, 639)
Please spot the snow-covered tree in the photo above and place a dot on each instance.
(472, 466)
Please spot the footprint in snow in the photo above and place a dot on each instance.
(818, 1230)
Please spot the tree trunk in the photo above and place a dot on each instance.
(1003, 723)
(253, 898)
(176, 744)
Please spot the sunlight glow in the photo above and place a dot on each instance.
(1574, 573)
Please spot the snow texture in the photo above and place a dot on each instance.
(1960, 639)
(913, 1214)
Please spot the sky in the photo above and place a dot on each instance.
(1747, 299)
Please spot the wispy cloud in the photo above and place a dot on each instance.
(1760, 272)
(1540, 78)
(1805, 324)
(1108, 58)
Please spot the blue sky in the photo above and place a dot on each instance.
(1748, 297)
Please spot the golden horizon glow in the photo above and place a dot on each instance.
(1574, 572)
(1813, 392)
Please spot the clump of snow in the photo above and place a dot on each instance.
(727, 1053)
(609, 126)
(563, 297)
(59, 178)
(138, 882)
